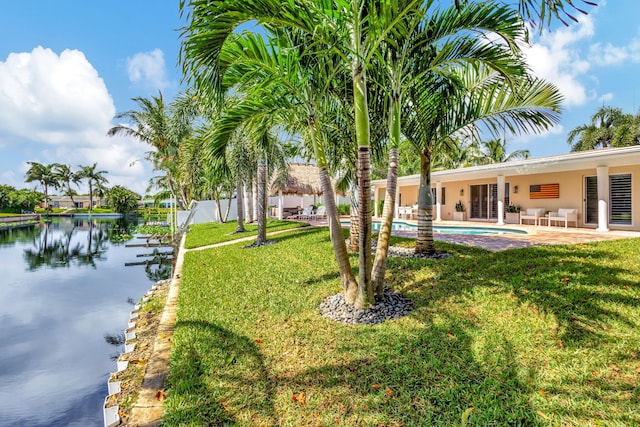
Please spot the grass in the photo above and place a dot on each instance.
(546, 335)
(212, 233)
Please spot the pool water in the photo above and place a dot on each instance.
(448, 229)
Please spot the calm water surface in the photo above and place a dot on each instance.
(65, 298)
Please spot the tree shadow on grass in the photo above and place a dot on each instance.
(592, 300)
(214, 375)
(571, 282)
(430, 380)
(221, 378)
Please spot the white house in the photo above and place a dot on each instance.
(602, 185)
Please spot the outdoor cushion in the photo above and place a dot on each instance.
(532, 213)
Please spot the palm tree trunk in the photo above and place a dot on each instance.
(262, 201)
(249, 202)
(366, 294)
(226, 213)
(349, 282)
(424, 241)
(239, 196)
(337, 238)
(354, 227)
(382, 249)
(90, 195)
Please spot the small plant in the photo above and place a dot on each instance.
(460, 206)
(511, 208)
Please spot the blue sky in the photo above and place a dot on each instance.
(67, 67)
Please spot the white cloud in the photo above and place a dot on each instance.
(57, 109)
(52, 99)
(557, 58)
(608, 54)
(148, 68)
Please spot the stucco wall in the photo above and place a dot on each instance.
(571, 193)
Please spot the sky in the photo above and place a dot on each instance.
(67, 67)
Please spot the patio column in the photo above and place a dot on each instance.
(438, 201)
(603, 198)
(375, 201)
(500, 199)
(280, 205)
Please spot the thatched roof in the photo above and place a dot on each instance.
(301, 179)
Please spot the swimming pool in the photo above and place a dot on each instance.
(447, 229)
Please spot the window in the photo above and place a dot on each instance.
(591, 199)
(620, 209)
(434, 195)
(620, 199)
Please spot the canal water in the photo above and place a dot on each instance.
(65, 299)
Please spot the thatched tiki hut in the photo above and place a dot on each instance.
(299, 187)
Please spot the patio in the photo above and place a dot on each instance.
(536, 235)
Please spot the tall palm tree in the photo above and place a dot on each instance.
(45, 175)
(93, 177)
(430, 49)
(155, 124)
(609, 127)
(298, 90)
(66, 177)
(484, 97)
(351, 30)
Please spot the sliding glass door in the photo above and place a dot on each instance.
(484, 201)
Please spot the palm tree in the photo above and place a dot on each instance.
(609, 127)
(66, 177)
(155, 124)
(93, 177)
(293, 96)
(45, 175)
(352, 30)
(423, 66)
(484, 97)
(495, 151)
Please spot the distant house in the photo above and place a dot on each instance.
(79, 202)
(603, 185)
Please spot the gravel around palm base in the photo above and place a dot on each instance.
(392, 305)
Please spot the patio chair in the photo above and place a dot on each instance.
(306, 213)
(532, 214)
(566, 215)
(321, 213)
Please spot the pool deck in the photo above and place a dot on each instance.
(536, 235)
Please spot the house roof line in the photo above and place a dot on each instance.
(591, 159)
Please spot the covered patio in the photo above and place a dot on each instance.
(601, 185)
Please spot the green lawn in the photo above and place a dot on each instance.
(540, 336)
(213, 232)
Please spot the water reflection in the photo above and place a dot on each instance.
(56, 247)
(63, 285)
